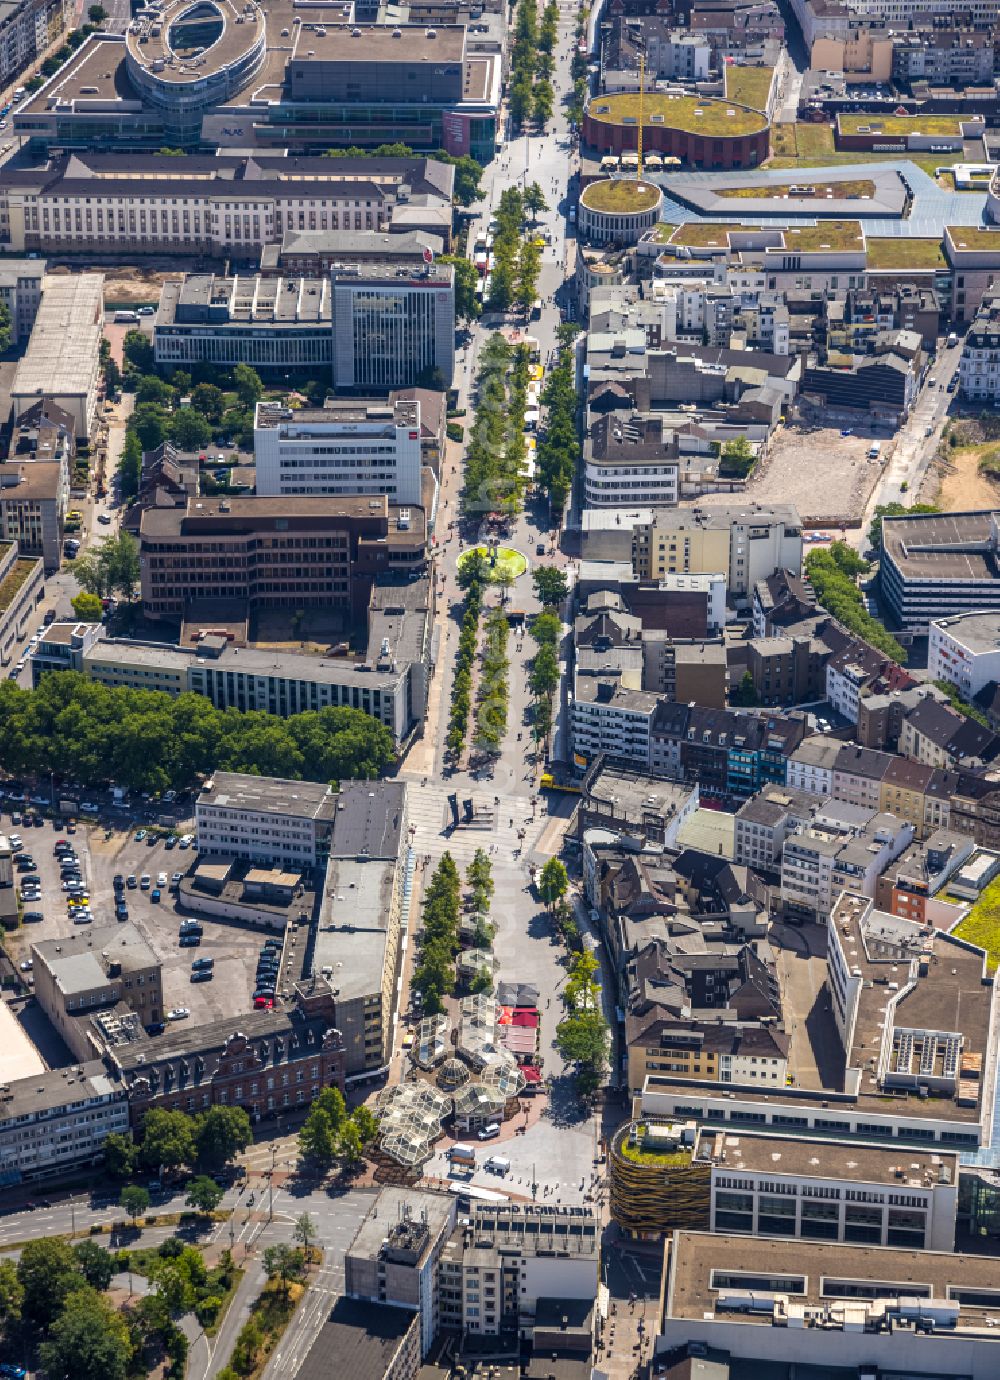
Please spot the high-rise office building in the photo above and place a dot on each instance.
(393, 328)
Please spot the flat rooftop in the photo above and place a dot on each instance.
(942, 546)
(952, 996)
(65, 338)
(850, 1161)
(388, 1209)
(268, 795)
(381, 43)
(18, 1056)
(158, 46)
(369, 820)
(633, 795)
(55, 1089)
(352, 930)
(979, 632)
(346, 412)
(246, 300)
(358, 1341)
(820, 1273)
(79, 961)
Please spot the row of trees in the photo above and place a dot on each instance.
(434, 975)
(479, 880)
(582, 1036)
(88, 733)
(461, 687)
(532, 64)
(494, 456)
(494, 685)
(517, 259)
(559, 448)
(546, 630)
(329, 1133)
(173, 1140)
(833, 575)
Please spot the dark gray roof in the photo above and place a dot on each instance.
(358, 1341)
(369, 820)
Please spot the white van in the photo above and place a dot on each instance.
(874, 450)
(126, 318)
(498, 1164)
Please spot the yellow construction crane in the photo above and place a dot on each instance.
(642, 84)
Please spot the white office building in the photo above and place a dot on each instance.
(965, 651)
(264, 819)
(56, 1121)
(344, 447)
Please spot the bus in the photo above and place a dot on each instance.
(549, 783)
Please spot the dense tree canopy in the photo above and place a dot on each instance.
(148, 740)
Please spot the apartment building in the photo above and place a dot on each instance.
(801, 1306)
(90, 971)
(21, 287)
(979, 367)
(34, 499)
(266, 322)
(275, 552)
(343, 447)
(55, 1122)
(965, 651)
(769, 1186)
(633, 461)
(810, 766)
(908, 884)
(710, 1052)
(609, 718)
(746, 542)
(264, 819)
(936, 735)
(764, 821)
(504, 1260)
(27, 27)
(821, 860)
(360, 925)
(227, 205)
(395, 1257)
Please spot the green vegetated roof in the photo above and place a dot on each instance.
(620, 194)
(687, 113)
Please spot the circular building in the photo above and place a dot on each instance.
(656, 1184)
(711, 134)
(618, 210)
(185, 56)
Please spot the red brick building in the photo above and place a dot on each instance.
(269, 1062)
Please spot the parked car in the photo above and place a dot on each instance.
(131, 881)
(202, 975)
(145, 881)
(155, 896)
(178, 1013)
(203, 963)
(189, 941)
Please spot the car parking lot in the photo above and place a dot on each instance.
(233, 947)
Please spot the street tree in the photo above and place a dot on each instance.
(203, 1194)
(221, 1134)
(466, 282)
(366, 1123)
(167, 1139)
(553, 881)
(135, 1200)
(534, 200)
(305, 1231)
(551, 585)
(317, 1139)
(350, 1145)
(285, 1264)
